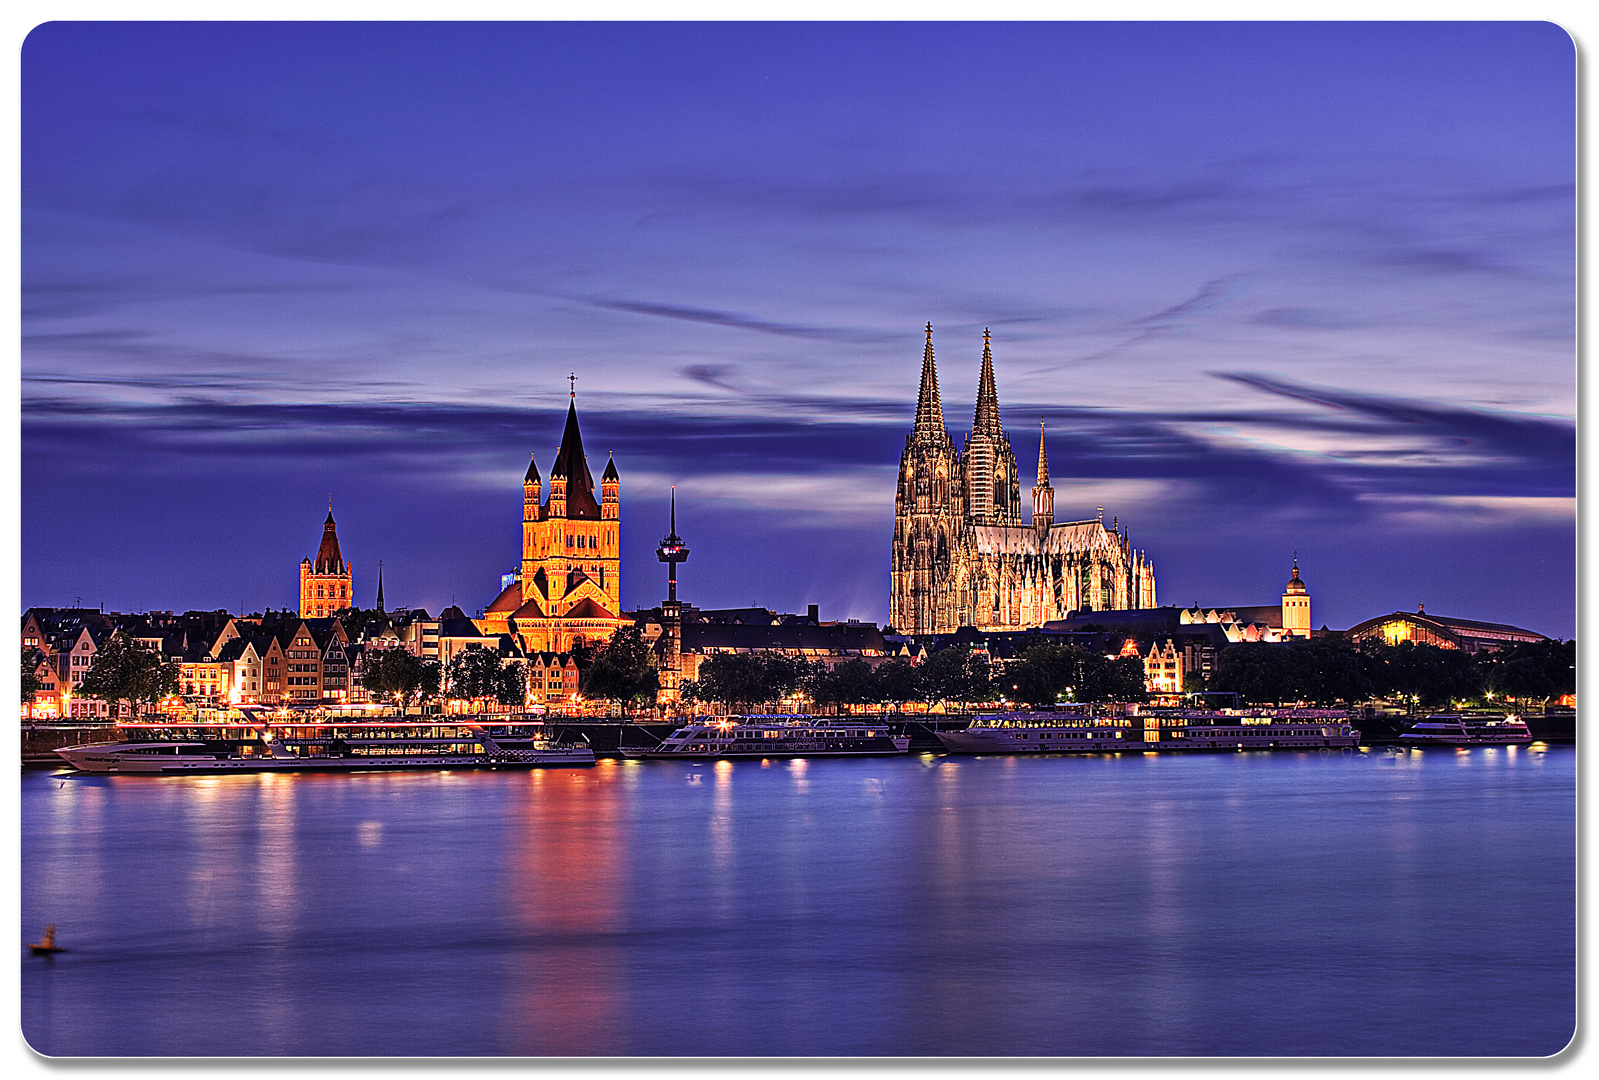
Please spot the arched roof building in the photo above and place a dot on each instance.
(1423, 629)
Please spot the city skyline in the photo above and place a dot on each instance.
(1268, 286)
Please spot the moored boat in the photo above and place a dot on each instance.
(776, 737)
(1055, 733)
(260, 742)
(47, 946)
(1453, 730)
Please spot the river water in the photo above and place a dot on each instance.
(1379, 902)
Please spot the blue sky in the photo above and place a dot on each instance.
(1270, 287)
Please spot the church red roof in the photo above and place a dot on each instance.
(328, 559)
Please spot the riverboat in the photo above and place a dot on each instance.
(264, 742)
(1055, 733)
(776, 737)
(1466, 731)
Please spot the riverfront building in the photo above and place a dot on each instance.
(962, 556)
(1423, 629)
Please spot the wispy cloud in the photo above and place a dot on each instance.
(1345, 449)
(1165, 323)
(733, 319)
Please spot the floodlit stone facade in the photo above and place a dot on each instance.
(962, 555)
(569, 587)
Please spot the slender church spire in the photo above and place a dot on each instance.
(572, 467)
(1043, 494)
(929, 411)
(993, 492)
(380, 585)
(985, 420)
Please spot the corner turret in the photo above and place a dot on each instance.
(532, 490)
(610, 491)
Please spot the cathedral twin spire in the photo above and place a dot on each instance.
(929, 412)
(985, 420)
(991, 489)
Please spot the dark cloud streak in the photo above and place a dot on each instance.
(1446, 449)
(733, 319)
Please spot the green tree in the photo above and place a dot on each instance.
(851, 683)
(1427, 675)
(30, 678)
(954, 674)
(1335, 671)
(1532, 671)
(1049, 673)
(1119, 679)
(1324, 671)
(127, 670)
(476, 673)
(583, 652)
(623, 669)
(746, 679)
(896, 682)
(395, 675)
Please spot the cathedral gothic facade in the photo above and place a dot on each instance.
(569, 586)
(962, 554)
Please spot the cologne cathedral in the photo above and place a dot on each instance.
(962, 554)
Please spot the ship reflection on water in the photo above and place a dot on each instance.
(1086, 905)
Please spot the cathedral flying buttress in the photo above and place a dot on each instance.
(963, 556)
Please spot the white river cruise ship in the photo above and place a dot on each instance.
(776, 737)
(1466, 731)
(251, 740)
(1054, 733)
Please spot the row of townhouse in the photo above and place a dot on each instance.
(276, 658)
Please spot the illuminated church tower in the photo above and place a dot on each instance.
(325, 581)
(569, 588)
(1296, 606)
(924, 591)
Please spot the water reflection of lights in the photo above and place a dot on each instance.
(798, 767)
(568, 868)
(722, 820)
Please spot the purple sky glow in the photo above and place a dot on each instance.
(1270, 286)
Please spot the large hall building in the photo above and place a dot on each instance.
(962, 554)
